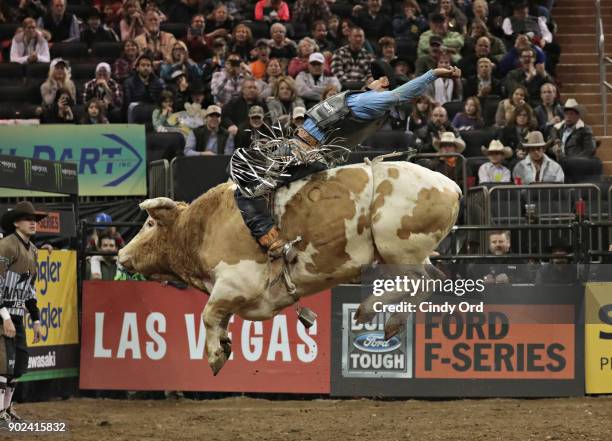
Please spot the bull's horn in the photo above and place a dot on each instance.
(157, 203)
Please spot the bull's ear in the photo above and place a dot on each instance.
(163, 210)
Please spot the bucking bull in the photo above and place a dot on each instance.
(387, 212)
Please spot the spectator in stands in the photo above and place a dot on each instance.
(480, 11)
(443, 90)
(104, 267)
(181, 89)
(124, 66)
(334, 32)
(531, 76)
(29, 44)
(258, 66)
(512, 59)
(60, 109)
(95, 31)
(58, 78)
(494, 171)
(93, 241)
(161, 115)
(522, 23)
(351, 63)
(431, 133)
(408, 26)
(220, 19)
(506, 106)
(550, 111)
(216, 63)
(179, 60)
(321, 37)
(558, 271)
(471, 117)
(483, 84)
(156, 42)
(143, 86)
(17, 11)
(199, 44)
(571, 137)
(132, 23)
(469, 63)
(284, 100)
(274, 71)
(421, 114)
(456, 19)
(210, 139)
(449, 166)
(242, 38)
(63, 27)
(499, 270)
(95, 112)
(521, 122)
(252, 128)
(306, 47)
(104, 88)
(227, 83)
(281, 47)
(272, 11)
(374, 22)
(403, 69)
(310, 14)
(297, 118)
(430, 60)
(387, 49)
(537, 166)
(438, 25)
(497, 48)
(310, 85)
(235, 112)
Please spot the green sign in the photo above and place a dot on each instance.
(110, 158)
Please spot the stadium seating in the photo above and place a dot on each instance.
(107, 51)
(489, 108)
(474, 140)
(179, 30)
(143, 115)
(259, 29)
(7, 30)
(389, 140)
(37, 71)
(11, 74)
(69, 51)
(164, 145)
(453, 108)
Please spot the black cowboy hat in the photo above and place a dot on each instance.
(22, 210)
(381, 69)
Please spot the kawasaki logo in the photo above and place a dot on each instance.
(27, 169)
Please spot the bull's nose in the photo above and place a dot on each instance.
(123, 258)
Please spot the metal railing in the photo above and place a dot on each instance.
(159, 178)
(604, 85)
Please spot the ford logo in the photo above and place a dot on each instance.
(375, 342)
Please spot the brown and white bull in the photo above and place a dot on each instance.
(391, 212)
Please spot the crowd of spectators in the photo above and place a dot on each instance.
(226, 65)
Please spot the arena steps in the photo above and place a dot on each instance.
(578, 69)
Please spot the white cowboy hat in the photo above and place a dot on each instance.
(449, 138)
(534, 139)
(497, 146)
(572, 104)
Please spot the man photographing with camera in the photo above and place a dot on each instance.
(17, 277)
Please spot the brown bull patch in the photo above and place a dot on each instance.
(362, 224)
(393, 172)
(434, 211)
(318, 212)
(383, 190)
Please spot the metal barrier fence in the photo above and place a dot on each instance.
(159, 178)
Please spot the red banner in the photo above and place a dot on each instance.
(146, 336)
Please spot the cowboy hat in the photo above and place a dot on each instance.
(449, 138)
(496, 146)
(22, 210)
(572, 104)
(534, 139)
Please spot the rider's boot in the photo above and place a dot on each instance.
(279, 252)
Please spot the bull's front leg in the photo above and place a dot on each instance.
(216, 317)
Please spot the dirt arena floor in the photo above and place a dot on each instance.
(253, 419)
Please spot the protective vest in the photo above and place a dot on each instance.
(341, 127)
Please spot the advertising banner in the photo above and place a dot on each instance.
(56, 354)
(147, 336)
(37, 174)
(110, 158)
(598, 338)
(524, 340)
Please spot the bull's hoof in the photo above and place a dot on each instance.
(226, 344)
(363, 316)
(217, 361)
(394, 325)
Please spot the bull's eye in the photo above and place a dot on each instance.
(150, 223)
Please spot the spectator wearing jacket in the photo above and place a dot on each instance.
(211, 138)
(62, 26)
(537, 166)
(311, 84)
(571, 137)
(29, 45)
(549, 112)
(351, 63)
